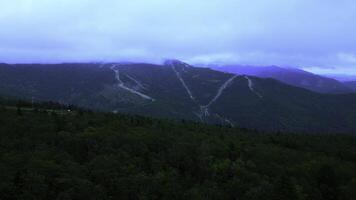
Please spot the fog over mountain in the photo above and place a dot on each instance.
(315, 35)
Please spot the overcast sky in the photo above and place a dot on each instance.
(316, 34)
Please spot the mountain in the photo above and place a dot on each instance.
(292, 76)
(341, 77)
(177, 90)
(351, 85)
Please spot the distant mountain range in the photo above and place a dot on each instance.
(341, 77)
(292, 76)
(177, 90)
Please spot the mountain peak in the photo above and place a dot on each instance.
(176, 62)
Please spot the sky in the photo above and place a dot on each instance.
(316, 35)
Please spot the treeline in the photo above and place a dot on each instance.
(87, 155)
(39, 105)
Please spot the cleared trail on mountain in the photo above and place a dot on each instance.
(250, 86)
(183, 82)
(138, 83)
(121, 85)
(225, 120)
(204, 109)
(221, 89)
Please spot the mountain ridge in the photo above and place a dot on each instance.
(292, 76)
(178, 90)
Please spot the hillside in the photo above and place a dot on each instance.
(291, 76)
(351, 84)
(177, 90)
(46, 153)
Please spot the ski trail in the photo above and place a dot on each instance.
(121, 85)
(221, 89)
(231, 124)
(199, 116)
(250, 86)
(183, 82)
(225, 120)
(204, 110)
(138, 83)
(186, 66)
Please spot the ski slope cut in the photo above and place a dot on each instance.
(221, 90)
(183, 82)
(250, 86)
(204, 110)
(138, 83)
(121, 85)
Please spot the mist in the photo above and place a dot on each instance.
(315, 35)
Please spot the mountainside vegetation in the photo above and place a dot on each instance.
(50, 151)
(177, 91)
(291, 76)
(351, 85)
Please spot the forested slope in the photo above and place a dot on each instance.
(54, 152)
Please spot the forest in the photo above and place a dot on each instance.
(51, 151)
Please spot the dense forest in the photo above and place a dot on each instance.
(50, 151)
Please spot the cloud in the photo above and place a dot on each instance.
(306, 33)
(347, 58)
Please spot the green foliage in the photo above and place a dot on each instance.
(48, 153)
(283, 107)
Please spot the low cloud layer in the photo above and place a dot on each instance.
(317, 35)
